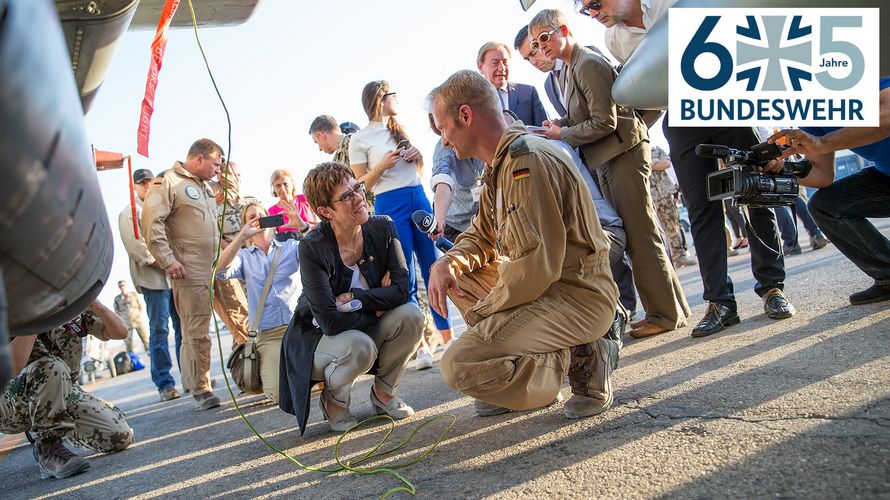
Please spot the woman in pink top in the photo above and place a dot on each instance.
(284, 188)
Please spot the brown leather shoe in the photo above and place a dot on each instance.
(636, 324)
(646, 329)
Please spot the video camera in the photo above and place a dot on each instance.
(744, 184)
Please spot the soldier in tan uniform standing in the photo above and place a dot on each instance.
(531, 275)
(179, 220)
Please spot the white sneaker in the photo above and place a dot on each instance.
(424, 360)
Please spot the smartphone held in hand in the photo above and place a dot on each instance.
(271, 221)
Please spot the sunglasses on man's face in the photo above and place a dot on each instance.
(588, 6)
(544, 38)
(356, 192)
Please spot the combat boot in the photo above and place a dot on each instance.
(590, 375)
(57, 461)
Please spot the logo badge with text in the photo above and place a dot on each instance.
(770, 67)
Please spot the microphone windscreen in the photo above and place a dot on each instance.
(712, 151)
(424, 221)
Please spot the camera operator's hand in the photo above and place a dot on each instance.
(798, 142)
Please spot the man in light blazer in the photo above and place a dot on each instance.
(493, 62)
(614, 141)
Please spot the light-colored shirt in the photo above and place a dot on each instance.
(621, 39)
(143, 272)
(604, 210)
(369, 145)
(252, 266)
(463, 177)
(358, 280)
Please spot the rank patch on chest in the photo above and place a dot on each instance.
(521, 173)
(192, 192)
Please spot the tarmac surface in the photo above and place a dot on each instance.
(795, 408)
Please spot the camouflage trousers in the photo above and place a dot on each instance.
(43, 399)
(140, 327)
(669, 216)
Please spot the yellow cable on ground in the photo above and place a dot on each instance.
(373, 453)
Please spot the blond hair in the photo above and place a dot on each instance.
(253, 203)
(282, 172)
(549, 19)
(466, 87)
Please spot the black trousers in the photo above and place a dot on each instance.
(707, 217)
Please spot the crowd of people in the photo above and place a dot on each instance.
(559, 224)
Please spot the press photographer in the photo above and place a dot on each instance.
(841, 207)
(46, 401)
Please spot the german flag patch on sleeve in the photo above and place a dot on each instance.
(521, 173)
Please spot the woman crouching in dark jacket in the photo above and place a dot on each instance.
(354, 314)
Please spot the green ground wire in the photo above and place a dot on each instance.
(373, 453)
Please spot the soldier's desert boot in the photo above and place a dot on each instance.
(590, 375)
(57, 461)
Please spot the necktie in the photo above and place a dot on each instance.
(503, 96)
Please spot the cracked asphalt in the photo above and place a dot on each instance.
(798, 408)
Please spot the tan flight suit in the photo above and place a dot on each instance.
(535, 267)
(179, 220)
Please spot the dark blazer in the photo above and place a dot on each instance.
(551, 86)
(597, 126)
(324, 277)
(524, 101)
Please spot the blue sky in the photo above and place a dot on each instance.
(287, 64)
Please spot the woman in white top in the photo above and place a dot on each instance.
(390, 167)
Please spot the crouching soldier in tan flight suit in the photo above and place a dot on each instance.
(531, 275)
(179, 220)
(46, 401)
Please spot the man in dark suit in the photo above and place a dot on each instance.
(614, 141)
(553, 85)
(493, 62)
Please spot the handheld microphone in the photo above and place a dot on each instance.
(426, 223)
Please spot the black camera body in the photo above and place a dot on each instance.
(741, 181)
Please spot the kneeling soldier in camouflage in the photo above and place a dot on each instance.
(46, 401)
(531, 275)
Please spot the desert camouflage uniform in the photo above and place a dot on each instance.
(229, 299)
(46, 399)
(129, 307)
(663, 192)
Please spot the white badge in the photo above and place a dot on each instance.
(477, 192)
(192, 192)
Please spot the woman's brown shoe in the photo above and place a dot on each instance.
(646, 329)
